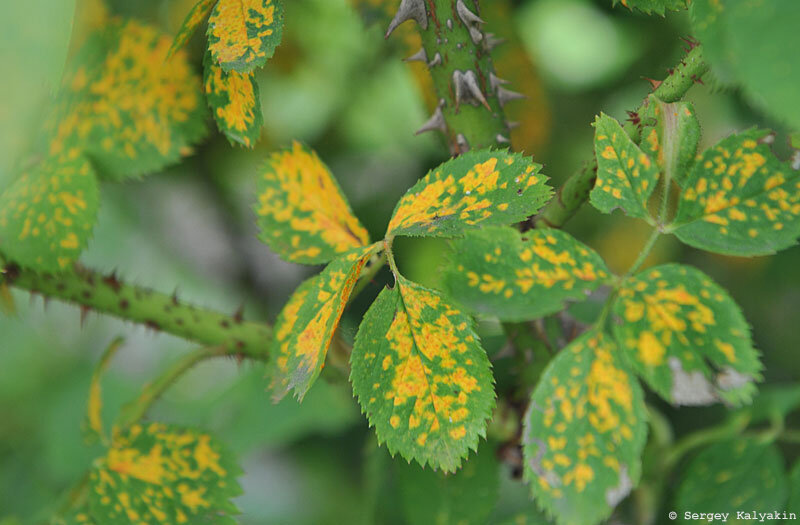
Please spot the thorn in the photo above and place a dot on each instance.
(84, 315)
(436, 121)
(419, 56)
(492, 41)
(654, 83)
(112, 281)
(467, 89)
(512, 124)
(175, 297)
(467, 16)
(238, 316)
(796, 160)
(461, 142)
(409, 10)
(506, 95)
(697, 80)
(496, 81)
(450, 24)
(692, 42)
(501, 139)
(634, 118)
(437, 59)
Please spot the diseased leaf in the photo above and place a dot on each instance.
(94, 421)
(197, 15)
(479, 188)
(685, 336)
(519, 276)
(301, 211)
(131, 109)
(243, 34)
(80, 517)
(670, 136)
(653, 6)
(234, 100)
(307, 323)
(466, 497)
(421, 376)
(740, 199)
(735, 475)
(584, 432)
(48, 213)
(626, 176)
(164, 474)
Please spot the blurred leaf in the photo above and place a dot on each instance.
(487, 187)
(670, 136)
(773, 400)
(735, 475)
(197, 15)
(421, 376)
(793, 505)
(48, 213)
(685, 336)
(740, 199)
(653, 6)
(161, 473)
(243, 34)
(234, 100)
(306, 325)
(499, 271)
(94, 422)
(301, 211)
(584, 432)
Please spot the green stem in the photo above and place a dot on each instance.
(731, 428)
(375, 264)
(107, 294)
(646, 249)
(575, 190)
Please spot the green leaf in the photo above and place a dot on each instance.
(740, 474)
(653, 6)
(520, 276)
(234, 100)
(740, 199)
(584, 432)
(708, 24)
(626, 176)
(48, 213)
(466, 497)
(306, 325)
(196, 16)
(793, 505)
(243, 34)
(685, 336)
(80, 517)
(301, 211)
(159, 473)
(670, 136)
(131, 109)
(479, 188)
(773, 401)
(421, 376)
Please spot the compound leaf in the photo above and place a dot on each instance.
(234, 100)
(584, 432)
(740, 199)
(653, 6)
(301, 210)
(196, 16)
(734, 475)
(48, 213)
(243, 34)
(163, 474)
(670, 136)
(479, 188)
(518, 276)
(421, 376)
(126, 105)
(306, 325)
(685, 336)
(626, 176)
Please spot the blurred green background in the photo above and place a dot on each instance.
(342, 89)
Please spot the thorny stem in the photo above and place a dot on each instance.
(575, 190)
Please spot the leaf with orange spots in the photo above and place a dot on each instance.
(684, 335)
(501, 272)
(159, 473)
(653, 6)
(197, 15)
(421, 376)
(739, 199)
(47, 215)
(626, 176)
(584, 432)
(128, 107)
(79, 517)
(243, 34)
(479, 188)
(301, 211)
(234, 100)
(306, 325)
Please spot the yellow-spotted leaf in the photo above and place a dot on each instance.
(243, 34)
(684, 335)
(479, 188)
(301, 210)
(94, 408)
(499, 271)
(653, 6)
(197, 15)
(670, 136)
(584, 432)
(306, 325)
(131, 109)
(159, 473)
(234, 101)
(739, 199)
(48, 213)
(626, 176)
(421, 376)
